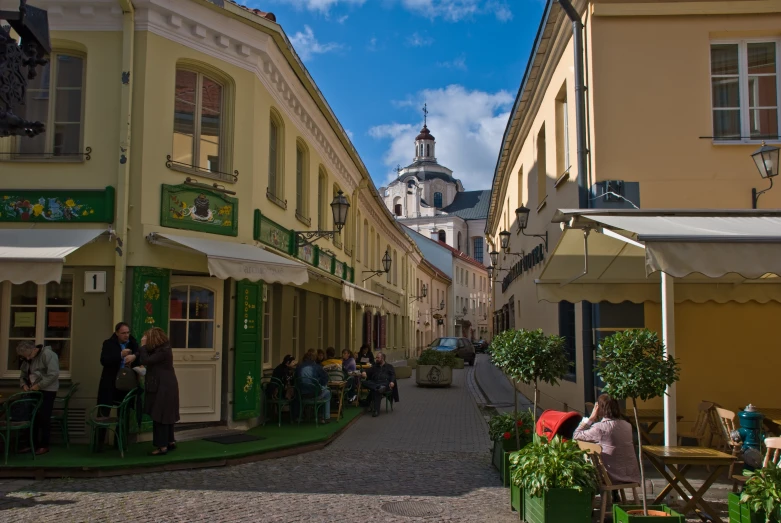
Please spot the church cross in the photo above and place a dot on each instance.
(398, 170)
(425, 114)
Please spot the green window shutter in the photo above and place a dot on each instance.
(248, 353)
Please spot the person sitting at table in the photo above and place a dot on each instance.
(379, 379)
(308, 368)
(331, 359)
(614, 434)
(319, 356)
(284, 373)
(365, 355)
(348, 366)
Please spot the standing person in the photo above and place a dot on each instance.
(40, 371)
(162, 389)
(308, 368)
(365, 355)
(119, 351)
(378, 379)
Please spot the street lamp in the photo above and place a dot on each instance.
(494, 258)
(386, 266)
(504, 240)
(441, 306)
(424, 292)
(522, 215)
(339, 208)
(32, 26)
(766, 160)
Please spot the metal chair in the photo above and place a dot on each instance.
(273, 391)
(594, 454)
(18, 413)
(118, 424)
(60, 412)
(310, 399)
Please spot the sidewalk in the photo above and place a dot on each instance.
(497, 388)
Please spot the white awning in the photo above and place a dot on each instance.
(355, 294)
(37, 255)
(389, 306)
(716, 256)
(237, 260)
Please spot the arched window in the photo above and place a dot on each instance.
(366, 243)
(302, 180)
(438, 200)
(322, 190)
(458, 241)
(397, 206)
(389, 274)
(441, 236)
(276, 147)
(428, 151)
(358, 223)
(338, 235)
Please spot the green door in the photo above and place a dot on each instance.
(248, 353)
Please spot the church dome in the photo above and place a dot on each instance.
(425, 134)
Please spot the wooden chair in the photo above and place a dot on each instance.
(772, 459)
(701, 426)
(606, 487)
(728, 424)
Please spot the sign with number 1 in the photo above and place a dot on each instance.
(94, 281)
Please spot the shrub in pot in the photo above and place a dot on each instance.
(501, 429)
(557, 481)
(435, 368)
(633, 365)
(761, 497)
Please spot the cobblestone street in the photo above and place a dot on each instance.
(432, 449)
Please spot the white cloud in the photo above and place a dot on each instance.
(372, 46)
(416, 40)
(322, 6)
(457, 63)
(455, 10)
(468, 126)
(349, 133)
(306, 45)
(342, 19)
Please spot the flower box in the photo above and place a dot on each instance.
(742, 513)
(516, 498)
(620, 514)
(501, 452)
(558, 505)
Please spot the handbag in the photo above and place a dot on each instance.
(126, 380)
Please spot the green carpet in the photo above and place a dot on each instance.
(276, 438)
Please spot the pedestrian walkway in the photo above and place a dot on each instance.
(496, 387)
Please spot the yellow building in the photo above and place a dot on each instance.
(678, 95)
(187, 155)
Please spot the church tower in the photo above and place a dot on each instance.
(424, 142)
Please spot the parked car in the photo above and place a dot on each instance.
(481, 346)
(461, 347)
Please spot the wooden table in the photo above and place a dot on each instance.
(338, 387)
(651, 417)
(678, 460)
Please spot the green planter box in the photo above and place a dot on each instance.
(506, 469)
(498, 455)
(559, 505)
(516, 498)
(741, 513)
(620, 515)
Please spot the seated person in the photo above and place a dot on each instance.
(365, 355)
(284, 373)
(348, 367)
(614, 434)
(319, 357)
(311, 370)
(331, 359)
(379, 379)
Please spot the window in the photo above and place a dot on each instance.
(438, 200)
(395, 265)
(458, 241)
(441, 236)
(744, 90)
(358, 224)
(337, 236)
(542, 170)
(302, 181)
(520, 186)
(366, 243)
(294, 341)
(56, 98)
(322, 188)
(320, 323)
(198, 122)
(42, 314)
(276, 157)
(477, 248)
(567, 331)
(474, 285)
(267, 308)
(428, 151)
(397, 209)
(562, 133)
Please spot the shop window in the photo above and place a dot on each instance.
(268, 306)
(567, 331)
(42, 314)
(56, 98)
(192, 317)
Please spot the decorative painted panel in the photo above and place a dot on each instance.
(248, 359)
(324, 261)
(272, 234)
(199, 209)
(307, 254)
(339, 269)
(55, 205)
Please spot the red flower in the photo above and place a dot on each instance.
(148, 308)
(526, 431)
(506, 435)
(519, 423)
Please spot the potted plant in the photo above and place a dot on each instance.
(435, 368)
(760, 501)
(633, 364)
(558, 482)
(501, 430)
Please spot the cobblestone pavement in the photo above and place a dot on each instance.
(432, 451)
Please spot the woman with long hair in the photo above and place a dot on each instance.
(162, 389)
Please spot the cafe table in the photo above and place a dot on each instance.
(674, 462)
(651, 418)
(338, 388)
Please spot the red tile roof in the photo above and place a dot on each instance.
(436, 270)
(458, 254)
(258, 12)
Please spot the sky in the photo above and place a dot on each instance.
(377, 62)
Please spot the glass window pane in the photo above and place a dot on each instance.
(23, 321)
(726, 92)
(763, 123)
(273, 137)
(60, 293)
(24, 294)
(68, 105)
(178, 334)
(62, 348)
(201, 335)
(13, 359)
(184, 116)
(726, 124)
(762, 91)
(201, 305)
(211, 114)
(36, 109)
(67, 138)
(762, 58)
(70, 71)
(58, 322)
(724, 58)
(178, 300)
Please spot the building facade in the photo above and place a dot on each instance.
(181, 197)
(651, 142)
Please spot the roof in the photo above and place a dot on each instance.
(470, 205)
(460, 255)
(435, 270)
(425, 134)
(258, 12)
(426, 175)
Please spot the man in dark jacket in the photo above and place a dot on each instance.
(379, 379)
(119, 351)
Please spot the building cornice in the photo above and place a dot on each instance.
(701, 8)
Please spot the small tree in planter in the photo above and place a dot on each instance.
(435, 368)
(761, 495)
(633, 365)
(531, 357)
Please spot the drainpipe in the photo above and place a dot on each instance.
(354, 211)
(123, 170)
(584, 202)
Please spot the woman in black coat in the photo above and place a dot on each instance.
(162, 389)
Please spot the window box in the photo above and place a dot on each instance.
(558, 505)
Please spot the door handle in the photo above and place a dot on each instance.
(216, 356)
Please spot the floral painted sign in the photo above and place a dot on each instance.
(87, 206)
(339, 269)
(324, 261)
(275, 236)
(307, 254)
(198, 209)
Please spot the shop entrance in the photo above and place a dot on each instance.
(196, 339)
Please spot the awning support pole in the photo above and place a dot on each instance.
(668, 336)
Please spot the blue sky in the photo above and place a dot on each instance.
(378, 61)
